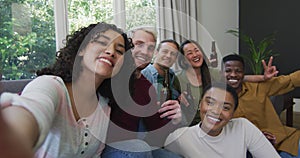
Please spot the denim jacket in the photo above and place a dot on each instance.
(151, 74)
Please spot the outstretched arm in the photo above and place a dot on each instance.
(18, 132)
(269, 72)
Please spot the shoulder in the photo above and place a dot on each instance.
(177, 135)
(149, 68)
(143, 80)
(47, 81)
(45, 85)
(241, 123)
(239, 120)
(48, 78)
(149, 72)
(186, 131)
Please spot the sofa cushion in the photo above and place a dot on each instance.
(14, 86)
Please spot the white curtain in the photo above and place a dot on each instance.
(178, 19)
(61, 22)
(119, 17)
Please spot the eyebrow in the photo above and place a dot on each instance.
(106, 37)
(209, 97)
(139, 41)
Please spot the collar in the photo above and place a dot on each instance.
(244, 90)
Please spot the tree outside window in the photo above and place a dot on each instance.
(27, 29)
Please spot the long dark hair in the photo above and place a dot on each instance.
(121, 86)
(76, 42)
(205, 75)
(67, 58)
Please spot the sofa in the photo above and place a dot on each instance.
(14, 86)
(280, 103)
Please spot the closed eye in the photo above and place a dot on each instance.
(103, 43)
(120, 52)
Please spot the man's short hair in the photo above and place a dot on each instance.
(233, 57)
(150, 30)
(168, 41)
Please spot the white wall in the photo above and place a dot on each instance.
(218, 16)
(297, 104)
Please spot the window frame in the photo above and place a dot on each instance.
(62, 23)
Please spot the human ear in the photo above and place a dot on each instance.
(81, 52)
(200, 104)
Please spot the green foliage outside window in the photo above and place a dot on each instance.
(27, 29)
(140, 13)
(27, 40)
(82, 12)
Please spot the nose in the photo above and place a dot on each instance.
(144, 49)
(194, 54)
(169, 54)
(110, 50)
(216, 109)
(233, 73)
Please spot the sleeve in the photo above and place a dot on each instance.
(176, 83)
(172, 143)
(147, 73)
(282, 84)
(257, 143)
(158, 128)
(40, 97)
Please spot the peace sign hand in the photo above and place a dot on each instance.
(269, 70)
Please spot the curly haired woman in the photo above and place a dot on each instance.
(61, 113)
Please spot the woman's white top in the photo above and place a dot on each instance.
(60, 135)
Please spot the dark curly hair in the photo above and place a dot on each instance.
(205, 75)
(67, 58)
(77, 41)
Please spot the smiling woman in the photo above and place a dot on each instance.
(216, 110)
(64, 101)
(218, 135)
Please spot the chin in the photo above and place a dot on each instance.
(142, 66)
(166, 65)
(234, 86)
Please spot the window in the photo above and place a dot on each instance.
(140, 13)
(27, 39)
(82, 12)
(32, 30)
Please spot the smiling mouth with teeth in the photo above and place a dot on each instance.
(142, 59)
(106, 61)
(213, 119)
(233, 81)
(197, 59)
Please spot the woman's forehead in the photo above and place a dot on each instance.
(219, 94)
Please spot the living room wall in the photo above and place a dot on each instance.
(259, 18)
